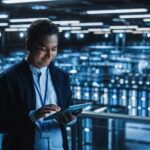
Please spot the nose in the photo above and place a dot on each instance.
(48, 53)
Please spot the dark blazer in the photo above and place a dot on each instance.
(17, 99)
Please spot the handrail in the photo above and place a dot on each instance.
(107, 115)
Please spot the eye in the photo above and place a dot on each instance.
(41, 49)
(54, 49)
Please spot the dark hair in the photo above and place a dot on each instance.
(40, 28)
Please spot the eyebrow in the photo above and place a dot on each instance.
(46, 46)
(55, 46)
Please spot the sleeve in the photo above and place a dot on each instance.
(69, 99)
(31, 115)
(10, 121)
(68, 89)
(71, 123)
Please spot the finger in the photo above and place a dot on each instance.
(53, 107)
(43, 115)
(47, 111)
(77, 112)
(48, 108)
(69, 116)
(62, 118)
(66, 118)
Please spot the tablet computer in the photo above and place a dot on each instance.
(71, 108)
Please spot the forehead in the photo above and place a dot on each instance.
(47, 40)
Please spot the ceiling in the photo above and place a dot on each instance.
(76, 10)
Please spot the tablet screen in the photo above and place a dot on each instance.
(72, 108)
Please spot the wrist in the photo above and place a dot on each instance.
(32, 116)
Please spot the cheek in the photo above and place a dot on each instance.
(40, 56)
(54, 54)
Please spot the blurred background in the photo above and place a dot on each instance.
(105, 47)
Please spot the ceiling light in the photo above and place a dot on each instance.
(3, 16)
(15, 29)
(143, 29)
(118, 20)
(66, 22)
(100, 32)
(135, 16)
(23, 1)
(39, 7)
(19, 25)
(123, 27)
(146, 20)
(88, 24)
(64, 28)
(3, 24)
(122, 31)
(94, 29)
(138, 32)
(105, 30)
(75, 28)
(99, 29)
(25, 20)
(69, 28)
(116, 11)
(80, 31)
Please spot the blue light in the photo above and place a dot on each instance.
(21, 34)
(148, 35)
(120, 35)
(86, 129)
(106, 35)
(80, 36)
(39, 7)
(67, 35)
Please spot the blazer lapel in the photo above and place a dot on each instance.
(28, 80)
(28, 85)
(56, 84)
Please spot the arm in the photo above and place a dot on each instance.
(9, 119)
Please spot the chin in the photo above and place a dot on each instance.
(46, 63)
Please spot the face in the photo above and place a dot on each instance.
(43, 51)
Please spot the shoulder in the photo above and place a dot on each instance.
(58, 71)
(13, 70)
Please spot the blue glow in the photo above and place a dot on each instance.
(120, 35)
(80, 35)
(21, 34)
(106, 35)
(67, 35)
